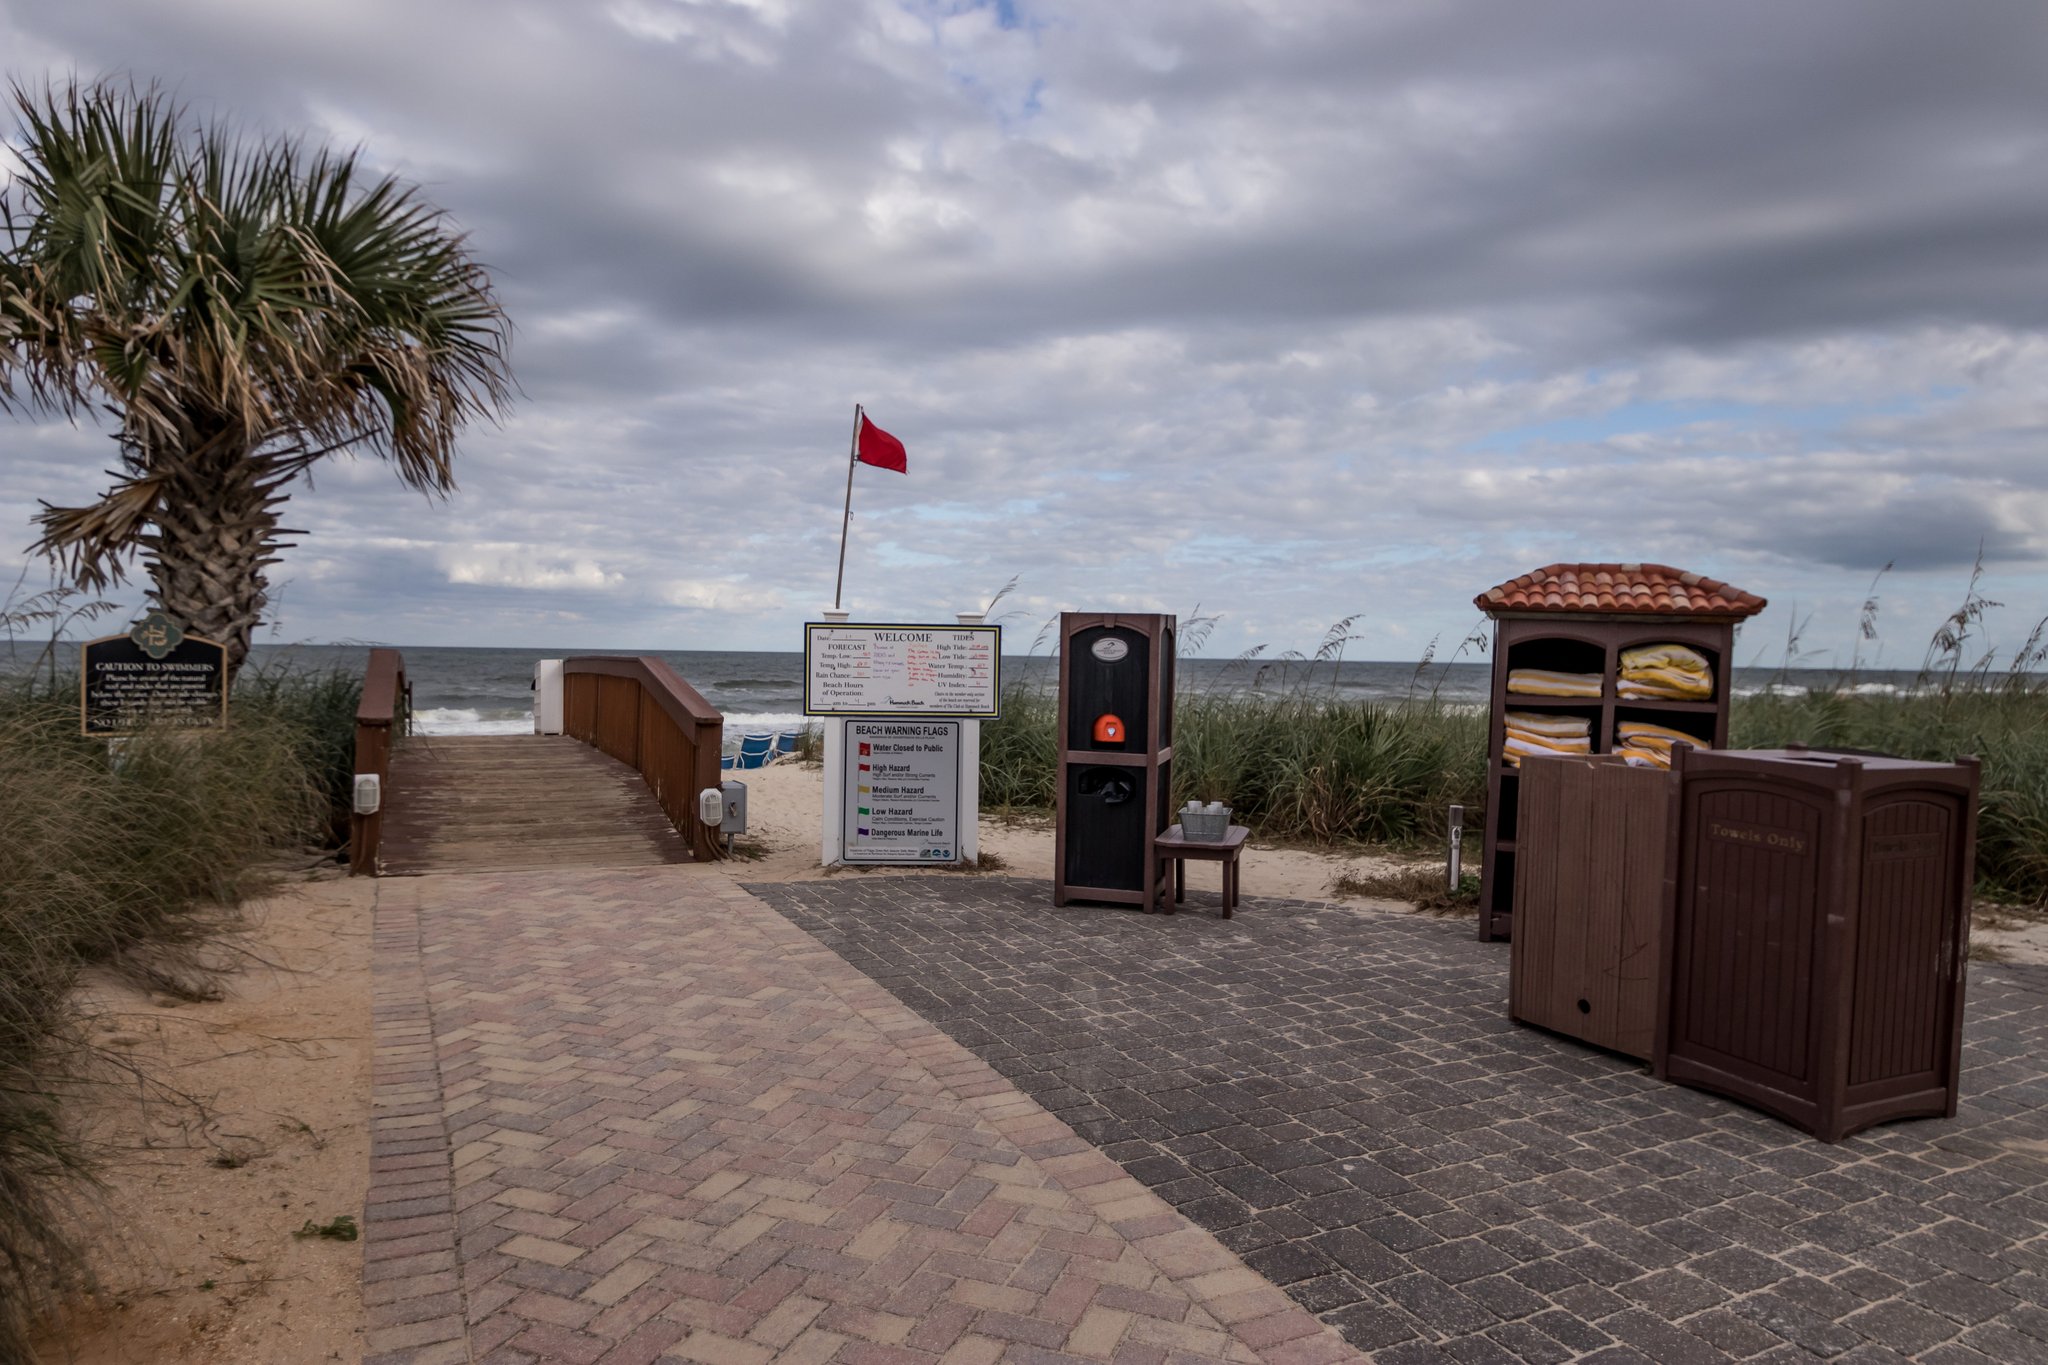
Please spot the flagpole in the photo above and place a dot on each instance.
(846, 517)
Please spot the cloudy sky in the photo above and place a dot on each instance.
(1292, 309)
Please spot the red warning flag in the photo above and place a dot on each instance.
(878, 448)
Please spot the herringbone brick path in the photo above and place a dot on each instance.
(1341, 1097)
(637, 1116)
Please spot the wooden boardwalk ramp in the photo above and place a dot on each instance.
(501, 803)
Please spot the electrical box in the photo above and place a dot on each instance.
(369, 794)
(734, 796)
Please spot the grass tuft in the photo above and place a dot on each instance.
(1294, 765)
(1421, 886)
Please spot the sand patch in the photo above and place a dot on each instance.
(192, 1238)
(786, 806)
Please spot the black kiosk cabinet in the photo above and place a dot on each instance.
(1116, 758)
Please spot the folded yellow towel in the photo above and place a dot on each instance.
(1555, 743)
(1541, 723)
(1644, 758)
(1518, 747)
(1663, 656)
(1677, 679)
(1643, 733)
(1542, 682)
(1666, 686)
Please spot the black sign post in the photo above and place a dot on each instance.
(155, 676)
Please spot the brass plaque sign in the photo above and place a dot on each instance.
(154, 676)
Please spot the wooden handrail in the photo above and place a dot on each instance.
(384, 711)
(639, 710)
(685, 704)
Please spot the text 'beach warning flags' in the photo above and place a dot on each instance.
(873, 446)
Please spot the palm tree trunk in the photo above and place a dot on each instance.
(216, 533)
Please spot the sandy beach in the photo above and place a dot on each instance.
(242, 1120)
(786, 805)
(255, 1121)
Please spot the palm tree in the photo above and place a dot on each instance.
(239, 309)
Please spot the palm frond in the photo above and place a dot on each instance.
(183, 272)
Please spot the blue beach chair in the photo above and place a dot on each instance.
(754, 749)
(785, 743)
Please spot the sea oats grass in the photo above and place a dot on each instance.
(2005, 726)
(1296, 762)
(132, 855)
(1294, 765)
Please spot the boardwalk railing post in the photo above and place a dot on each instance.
(387, 698)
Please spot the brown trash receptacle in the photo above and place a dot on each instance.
(1589, 899)
(1816, 933)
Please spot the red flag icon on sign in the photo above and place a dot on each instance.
(864, 751)
(880, 449)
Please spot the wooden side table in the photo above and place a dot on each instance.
(1176, 845)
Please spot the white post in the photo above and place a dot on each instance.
(547, 697)
(1454, 851)
(970, 774)
(832, 831)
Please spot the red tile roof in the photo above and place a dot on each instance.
(1617, 588)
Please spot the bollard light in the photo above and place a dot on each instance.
(1454, 852)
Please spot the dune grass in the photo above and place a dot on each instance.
(1295, 765)
(122, 855)
(2005, 726)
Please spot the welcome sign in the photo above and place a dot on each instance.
(902, 670)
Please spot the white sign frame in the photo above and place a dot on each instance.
(895, 694)
(932, 850)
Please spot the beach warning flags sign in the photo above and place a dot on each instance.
(878, 448)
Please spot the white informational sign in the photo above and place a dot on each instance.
(902, 792)
(902, 670)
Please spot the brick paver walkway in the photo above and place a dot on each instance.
(1341, 1097)
(638, 1116)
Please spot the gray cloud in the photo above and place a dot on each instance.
(1294, 309)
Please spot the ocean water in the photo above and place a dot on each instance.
(490, 691)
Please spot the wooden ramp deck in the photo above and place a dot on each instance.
(501, 803)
